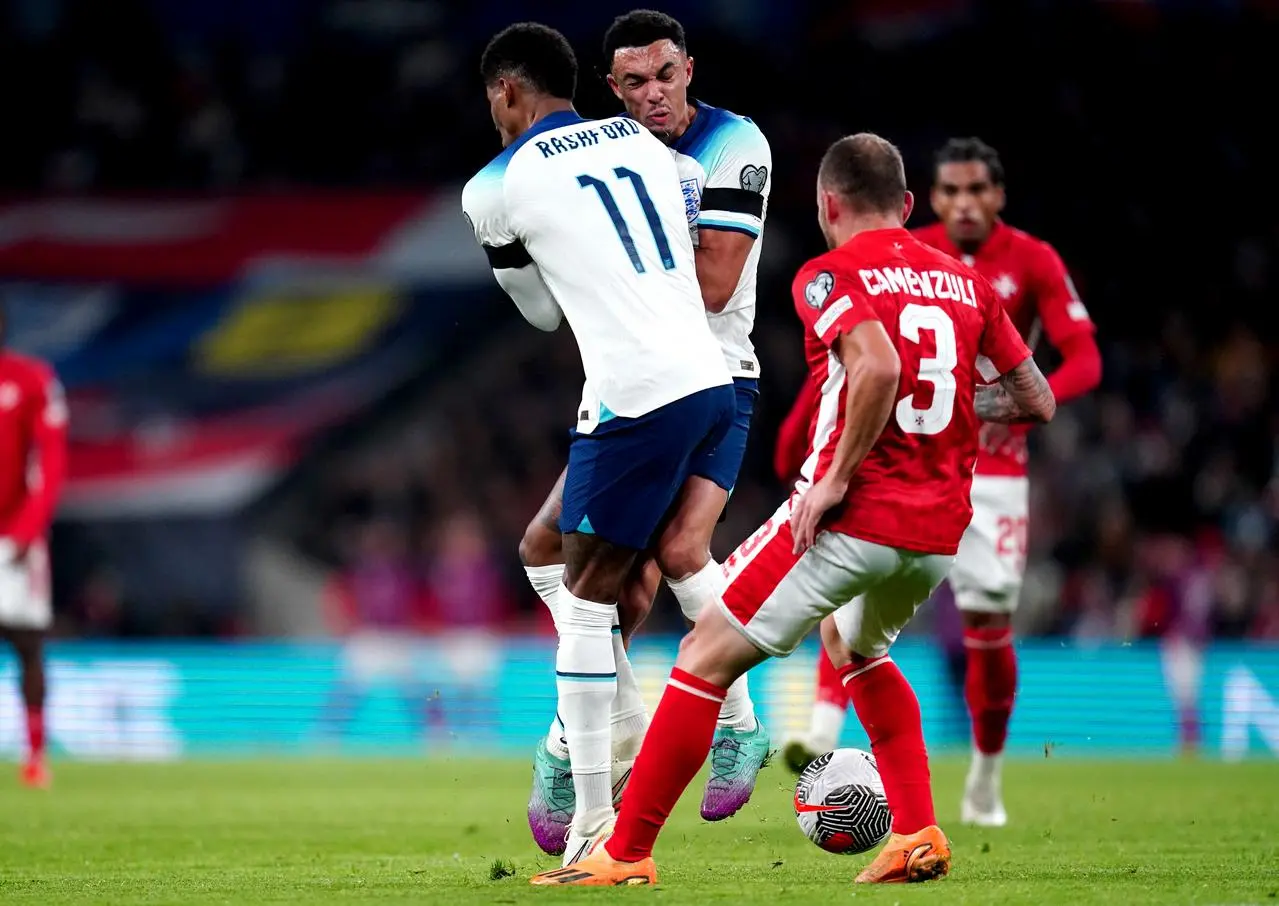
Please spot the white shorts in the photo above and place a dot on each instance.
(775, 598)
(991, 559)
(25, 599)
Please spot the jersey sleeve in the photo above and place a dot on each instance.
(830, 303)
(484, 207)
(738, 182)
(1060, 309)
(1001, 342)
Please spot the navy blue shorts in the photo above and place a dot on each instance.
(624, 475)
(722, 464)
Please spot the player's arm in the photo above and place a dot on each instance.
(792, 437)
(1022, 395)
(484, 206)
(1069, 328)
(731, 218)
(48, 412)
(834, 309)
(874, 371)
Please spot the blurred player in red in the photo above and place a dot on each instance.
(1037, 292)
(33, 443)
(892, 333)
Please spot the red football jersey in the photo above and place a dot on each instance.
(912, 489)
(1037, 293)
(33, 420)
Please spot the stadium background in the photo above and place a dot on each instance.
(301, 406)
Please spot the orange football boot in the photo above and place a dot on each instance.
(599, 869)
(36, 774)
(909, 858)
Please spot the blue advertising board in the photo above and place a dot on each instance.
(495, 695)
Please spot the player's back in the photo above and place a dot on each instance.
(912, 490)
(598, 207)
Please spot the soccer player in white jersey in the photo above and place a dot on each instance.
(586, 218)
(724, 163)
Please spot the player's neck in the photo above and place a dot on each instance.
(545, 106)
(865, 223)
(690, 114)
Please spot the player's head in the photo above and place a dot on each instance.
(649, 70)
(861, 185)
(968, 189)
(523, 65)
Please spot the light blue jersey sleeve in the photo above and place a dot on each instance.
(738, 165)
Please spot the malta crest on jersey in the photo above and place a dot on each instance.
(818, 289)
(692, 199)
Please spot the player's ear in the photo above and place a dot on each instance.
(688, 71)
(1000, 199)
(613, 86)
(908, 205)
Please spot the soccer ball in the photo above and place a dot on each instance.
(840, 803)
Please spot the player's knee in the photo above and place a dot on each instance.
(986, 619)
(683, 556)
(833, 642)
(540, 546)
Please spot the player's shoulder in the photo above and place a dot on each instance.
(26, 370)
(716, 133)
(817, 277)
(1027, 244)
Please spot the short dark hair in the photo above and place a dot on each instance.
(970, 150)
(534, 53)
(640, 28)
(867, 170)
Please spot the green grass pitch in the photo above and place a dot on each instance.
(434, 832)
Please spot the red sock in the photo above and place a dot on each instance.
(35, 732)
(675, 748)
(830, 688)
(990, 686)
(887, 707)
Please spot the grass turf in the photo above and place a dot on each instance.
(454, 832)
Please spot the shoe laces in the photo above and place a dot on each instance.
(724, 758)
(562, 795)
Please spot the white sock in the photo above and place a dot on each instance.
(546, 581)
(629, 717)
(586, 677)
(826, 726)
(985, 770)
(694, 593)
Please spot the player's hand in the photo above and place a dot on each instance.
(807, 514)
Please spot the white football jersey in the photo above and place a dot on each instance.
(724, 167)
(596, 207)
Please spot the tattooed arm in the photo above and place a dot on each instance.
(1022, 396)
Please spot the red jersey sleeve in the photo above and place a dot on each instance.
(48, 413)
(1060, 310)
(829, 302)
(1001, 342)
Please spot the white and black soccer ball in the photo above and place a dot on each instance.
(840, 803)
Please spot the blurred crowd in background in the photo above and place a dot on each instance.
(1142, 160)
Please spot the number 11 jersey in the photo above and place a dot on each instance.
(912, 490)
(596, 207)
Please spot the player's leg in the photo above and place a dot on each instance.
(622, 479)
(741, 743)
(629, 718)
(825, 722)
(772, 603)
(986, 580)
(26, 614)
(553, 800)
(858, 637)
